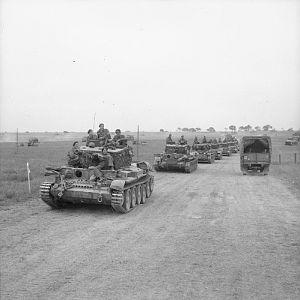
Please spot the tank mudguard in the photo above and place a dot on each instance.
(117, 184)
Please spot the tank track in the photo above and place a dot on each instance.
(47, 197)
(193, 166)
(133, 195)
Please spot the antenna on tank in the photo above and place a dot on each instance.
(137, 142)
(94, 122)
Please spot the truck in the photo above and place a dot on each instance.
(255, 154)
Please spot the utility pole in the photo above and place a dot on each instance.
(17, 140)
(137, 142)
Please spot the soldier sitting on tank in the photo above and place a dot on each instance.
(196, 141)
(182, 141)
(169, 140)
(119, 139)
(91, 136)
(74, 156)
(103, 134)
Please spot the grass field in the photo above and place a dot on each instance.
(13, 172)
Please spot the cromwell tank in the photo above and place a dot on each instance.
(225, 149)
(205, 154)
(123, 186)
(216, 148)
(176, 157)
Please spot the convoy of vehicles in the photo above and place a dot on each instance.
(291, 141)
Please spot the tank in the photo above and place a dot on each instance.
(176, 157)
(124, 185)
(225, 149)
(205, 153)
(216, 148)
(33, 142)
(255, 154)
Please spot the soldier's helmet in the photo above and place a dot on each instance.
(118, 131)
(91, 144)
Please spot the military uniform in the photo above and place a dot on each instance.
(91, 137)
(169, 140)
(120, 140)
(74, 157)
(182, 141)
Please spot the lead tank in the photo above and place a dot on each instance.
(123, 186)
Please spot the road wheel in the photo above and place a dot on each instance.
(148, 190)
(138, 195)
(133, 197)
(143, 193)
(127, 200)
(157, 168)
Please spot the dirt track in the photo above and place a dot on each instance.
(212, 234)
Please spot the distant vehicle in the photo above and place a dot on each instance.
(217, 150)
(296, 135)
(33, 142)
(255, 154)
(130, 137)
(233, 147)
(291, 141)
(205, 154)
(225, 149)
(176, 157)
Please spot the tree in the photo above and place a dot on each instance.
(179, 129)
(185, 129)
(267, 127)
(257, 128)
(232, 128)
(161, 130)
(211, 129)
(290, 129)
(198, 129)
(248, 127)
(192, 130)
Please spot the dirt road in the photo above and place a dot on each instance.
(212, 234)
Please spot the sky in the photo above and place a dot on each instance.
(157, 63)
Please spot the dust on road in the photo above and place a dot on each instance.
(212, 234)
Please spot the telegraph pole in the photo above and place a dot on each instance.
(137, 142)
(17, 140)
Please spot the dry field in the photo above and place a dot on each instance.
(212, 234)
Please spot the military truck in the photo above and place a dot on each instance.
(217, 149)
(176, 157)
(255, 154)
(123, 186)
(205, 154)
(33, 141)
(291, 141)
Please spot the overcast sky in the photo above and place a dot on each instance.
(156, 63)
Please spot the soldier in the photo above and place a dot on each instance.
(103, 133)
(169, 139)
(182, 141)
(91, 136)
(204, 141)
(196, 141)
(74, 156)
(119, 139)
